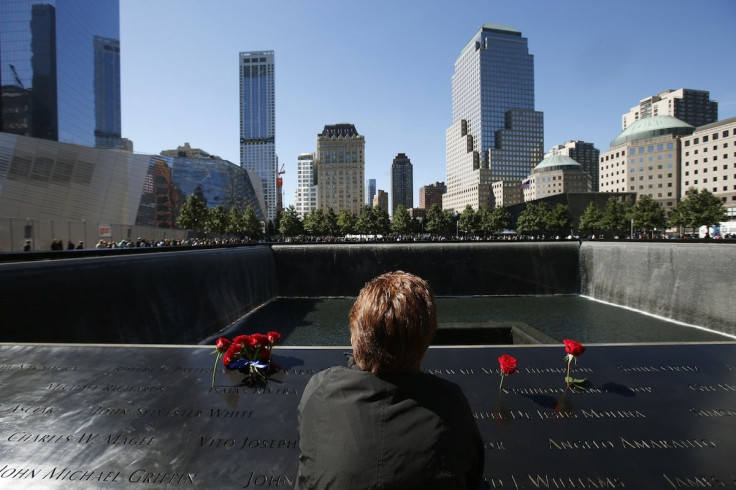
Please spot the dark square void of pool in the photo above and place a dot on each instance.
(478, 321)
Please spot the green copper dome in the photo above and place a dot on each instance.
(649, 127)
(556, 162)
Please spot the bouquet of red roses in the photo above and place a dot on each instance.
(251, 354)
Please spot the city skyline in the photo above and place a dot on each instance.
(593, 63)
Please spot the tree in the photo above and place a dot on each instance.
(346, 222)
(364, 223)
(677, 217)
(490, 222)
(217, 221)
(401, 223)
(616, 217)
(559, 219)
(314, 223)
(252, 225)
(193, 214)
(235, 222)
(438, 221)
(468, 220)
(648, 215)
(290, 225)
(534, 217)
(380, 222)
(702, 208)
(330, 223)
(591, 221)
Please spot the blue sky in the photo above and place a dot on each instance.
(386, 67)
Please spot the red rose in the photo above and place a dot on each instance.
(507, 364)
(573, 348)
(258, 339)
(222, 344)
(265, 354)
(228, 358)
(243, 339)
(273, 337)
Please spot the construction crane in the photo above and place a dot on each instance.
(280, 183)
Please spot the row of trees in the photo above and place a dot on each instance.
(375, 221)
(616, 219)
(195, 215)
(699, 208)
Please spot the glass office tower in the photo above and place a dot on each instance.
(60, 70)
(496, 135)
(257, 122)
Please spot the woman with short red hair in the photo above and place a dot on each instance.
(380, 422)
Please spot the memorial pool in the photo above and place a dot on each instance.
(324, 321)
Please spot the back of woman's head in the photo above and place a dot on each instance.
(392, 323)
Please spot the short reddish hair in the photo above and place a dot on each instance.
(392, 323)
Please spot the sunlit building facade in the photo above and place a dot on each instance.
(258, 123)
(692, 106)
(586, 154)
(496, 135)
(340, 167)
(305, 195)
(556, 174)
(50, 189)
(645, 158)
(431, 194)
(709, 162)
(60, 71)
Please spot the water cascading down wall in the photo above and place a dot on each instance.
(182, 297)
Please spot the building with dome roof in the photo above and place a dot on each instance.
(645, 158)
(556, 174)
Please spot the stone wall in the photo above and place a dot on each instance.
(166, 297)
(453, 269)
(691, 283)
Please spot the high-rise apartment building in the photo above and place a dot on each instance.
(586, 154)
(402, 182)
(496, 135)
(370, 191)
(257, 123)
(60, 71)
(431, 194)
(692, 106)
(340, 167)
(305, 197)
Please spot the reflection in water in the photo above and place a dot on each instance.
(324, 321)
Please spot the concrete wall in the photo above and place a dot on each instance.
(692, 283)
(453, 269)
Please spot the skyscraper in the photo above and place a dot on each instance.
(370, 191)
(340, 166)
(496, 135)
(257, 122)
(60, 70)
(402, 182)
(305, 195)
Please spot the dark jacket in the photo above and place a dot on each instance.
(362, 430)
